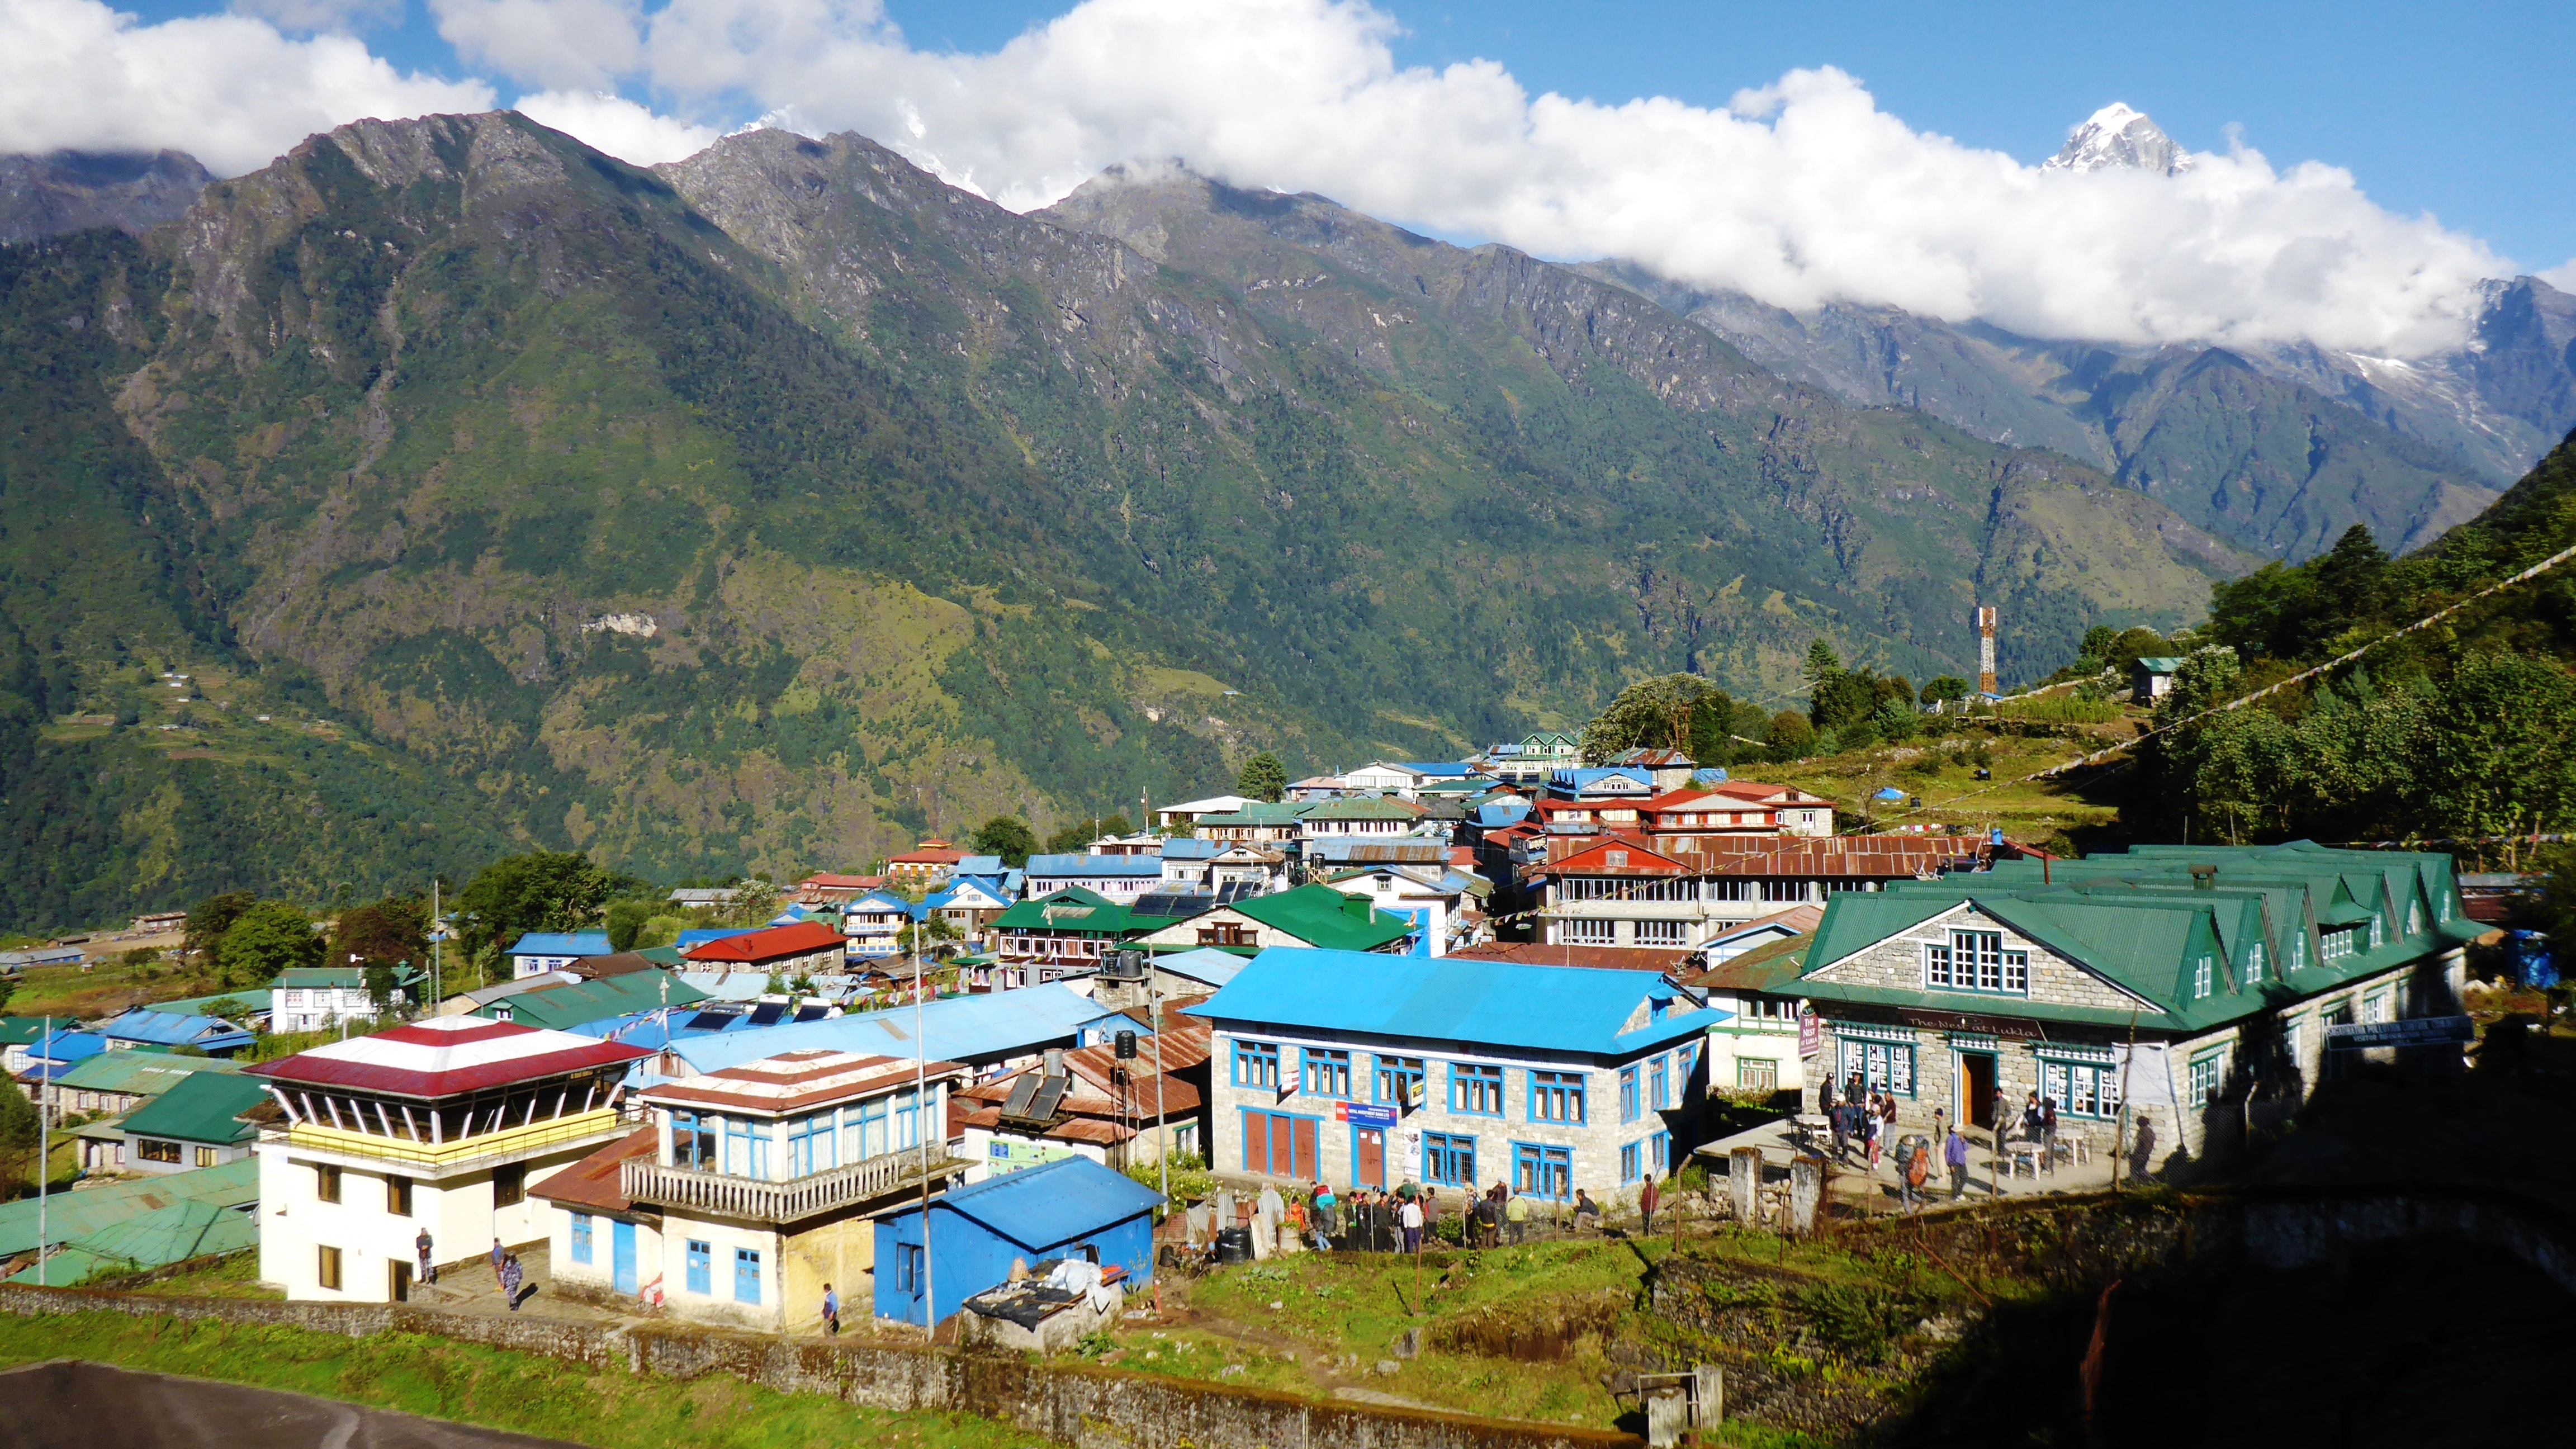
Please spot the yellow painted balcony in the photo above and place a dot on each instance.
(436, 1158)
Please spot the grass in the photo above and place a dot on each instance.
(235, 1275)
(106, 988)
(495, 1388)
(1940, 768)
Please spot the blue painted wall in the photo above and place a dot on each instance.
(966, 1257)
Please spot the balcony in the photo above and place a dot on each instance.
(750, 1199)
(442, 1159)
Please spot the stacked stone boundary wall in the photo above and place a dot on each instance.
(1080, 1405)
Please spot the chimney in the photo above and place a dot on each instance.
(2204, 877)
(1055, 1061)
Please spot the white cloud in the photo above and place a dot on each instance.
(227, 88)
(311, 15)
(623, 129)
(559, 43)
(2561, 276)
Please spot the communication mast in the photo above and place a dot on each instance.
(1986, 650)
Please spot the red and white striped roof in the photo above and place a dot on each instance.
(447, 1056)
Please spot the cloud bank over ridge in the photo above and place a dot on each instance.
(1799, 193)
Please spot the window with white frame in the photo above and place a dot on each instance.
(2374, 1007)
(2207, 1071)
(2082, 1089)
(1662, 933)
(2415, 918)
(2253, 963)
(1881, 1066)
(1784, 890)
(2341, 942)
(1976, 961)
(2202, 970)
(1590, 933)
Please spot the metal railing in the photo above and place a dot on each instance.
(442, 1158)
(752, 1199)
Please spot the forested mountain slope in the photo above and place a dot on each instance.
(767, 509)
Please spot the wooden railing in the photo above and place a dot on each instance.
(751, 1199)
(574, 1128)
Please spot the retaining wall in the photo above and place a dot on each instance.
(1081, 1405)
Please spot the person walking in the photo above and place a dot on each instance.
(1912, 1173)
(1516, 1211)
(1869, 1130)
(498, 1253)
(831, 1310)
(2003, 1116)
(1647, 1198)
(421, 1245)
(512, 1275)
(1954, 1152)
(1410, 1218)
(2048, 1132)
(1887, 1119)
(1839, 1115)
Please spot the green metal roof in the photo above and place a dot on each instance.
(202, 1108)
(1080, 910)
(1322, 916)
(561, 1008)
(70, 1215)
(247, 1000)
(21, 1030)
(145, 1073)
(156, 1239)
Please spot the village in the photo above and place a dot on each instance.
(1044, 1104)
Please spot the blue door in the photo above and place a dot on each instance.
(622, 1256)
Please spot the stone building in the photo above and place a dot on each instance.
(1370, 1070)
(2170, 1000)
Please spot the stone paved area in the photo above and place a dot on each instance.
(1853, 1181)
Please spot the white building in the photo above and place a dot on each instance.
(318, 998)
(1189, 811)
(439, 1125)
(755, 1186)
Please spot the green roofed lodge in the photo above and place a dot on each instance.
(2192, 986)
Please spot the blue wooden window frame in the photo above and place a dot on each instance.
(746, 1275)
(754, 1137)
(812, 1146)
(1256, 1064)
(1326, 1072)
(1558, 1097)
(581, 1229)
(1449, 1159)
(1394, 1075)
(1659, 1153)
(701, 1268)
(1542, 1171)
(693, 1142)
(1475, 1090)
(1659, 1084)
(1628, 1156)
(1627, 1093)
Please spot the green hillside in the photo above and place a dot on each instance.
(768, 509)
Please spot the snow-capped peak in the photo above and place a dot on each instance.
(2119, 136)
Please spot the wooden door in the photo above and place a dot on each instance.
(1256, 1142)
(399, 1287)
(1370, 1149)
(1302, 1136)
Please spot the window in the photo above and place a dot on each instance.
(2341, 942)
(1399, 1080)
(2374, 1007)
(205, 1157)
(693, 1141)
(1662, 933)
(1882, 1066)
(398, 1196)
(1590, 933)
(1659, 1153)
(2293, 1033)
(1976, 961)
(1328, 1073)
(1688, 1057)
(581, 1237)
(1556, 1096)
(509, 1185)
(2205, 1073)
(811, 1147)
(746, 1275)
(1659, 1084)
(1757, 1074)
(701, 1270)
(153, 1149)
(2253, 963)
(1615, 859)
(2201, 971)
(1628, 1157)
(2298, 949)
(326, 1180)
(1627, 1095)
(1448, 1159)
(327, 1271)
(1225, 934)
(2082, 1089)
(1784, 890)
(2414, 918)
(1256, 1064)
(1543, 1172)
(1474, 1090)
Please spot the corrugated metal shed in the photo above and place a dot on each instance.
(1058, 1202)
(141, 1073)
(200, 1109)
(1484, 1003)
(156, 1239)
(70, 1215)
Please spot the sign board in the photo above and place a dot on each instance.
(1004, 1155)
(2413, 1031)
(1811, 1033)
(1966, 1024)
(1364, 1114)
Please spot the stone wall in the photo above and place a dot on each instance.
(1079, 1405)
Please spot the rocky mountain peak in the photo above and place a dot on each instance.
(68, 191)
(2117, 136)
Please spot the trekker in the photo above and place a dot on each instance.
(1869, 1129)
(512, 1275)
(1587, 1213)
(1887, 1120)
(2048, 1132)
(1328, 1217)
(1410, 1217)
(498, 1253)
(1489, 1217)
(2003, 1116)
(1840, 1115)
(1647, 1198)
(2030, 1118)
(1516, 1211)
(1955, 1153)
(421, 1245)
(831, 1310)
(1913, 1172)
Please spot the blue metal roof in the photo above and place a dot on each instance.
(49, 1057)
(977, 865)
(1190, 847)
(172, 1028)
(1440, 769)
(1057, 1202)
(1489, 1003)
(878, 900)
(563, 943)
(1207, 964)
(1054, 866)
(968, 1029)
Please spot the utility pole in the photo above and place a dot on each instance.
(921, 1130)
(437, 935)
(44, 1142)
(1162, 1144)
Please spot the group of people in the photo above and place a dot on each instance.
(1867, 1116)
(1404, 1218)
(1862, 1115)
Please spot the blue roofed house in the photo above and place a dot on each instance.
(142, 1027)
(1367, 1069)
(969, 902)
(1069, 1208)
(1119, 878)
(873, 924)
(539, 952)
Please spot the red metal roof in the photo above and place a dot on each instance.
(593, 1181)
(447, 1056)
(800, 939)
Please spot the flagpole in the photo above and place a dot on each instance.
(44, 1142)
(921, 1130)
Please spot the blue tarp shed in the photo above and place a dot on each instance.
(1070, 1208)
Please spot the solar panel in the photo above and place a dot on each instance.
(1169, 903)
(767, 1013)
(812, 1013)
(1023, 1092)
(1050, 1096)
(710, 1021)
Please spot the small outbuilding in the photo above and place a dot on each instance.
(2151, 678)
(1072, 1208)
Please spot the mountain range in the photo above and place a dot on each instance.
(447, 487)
